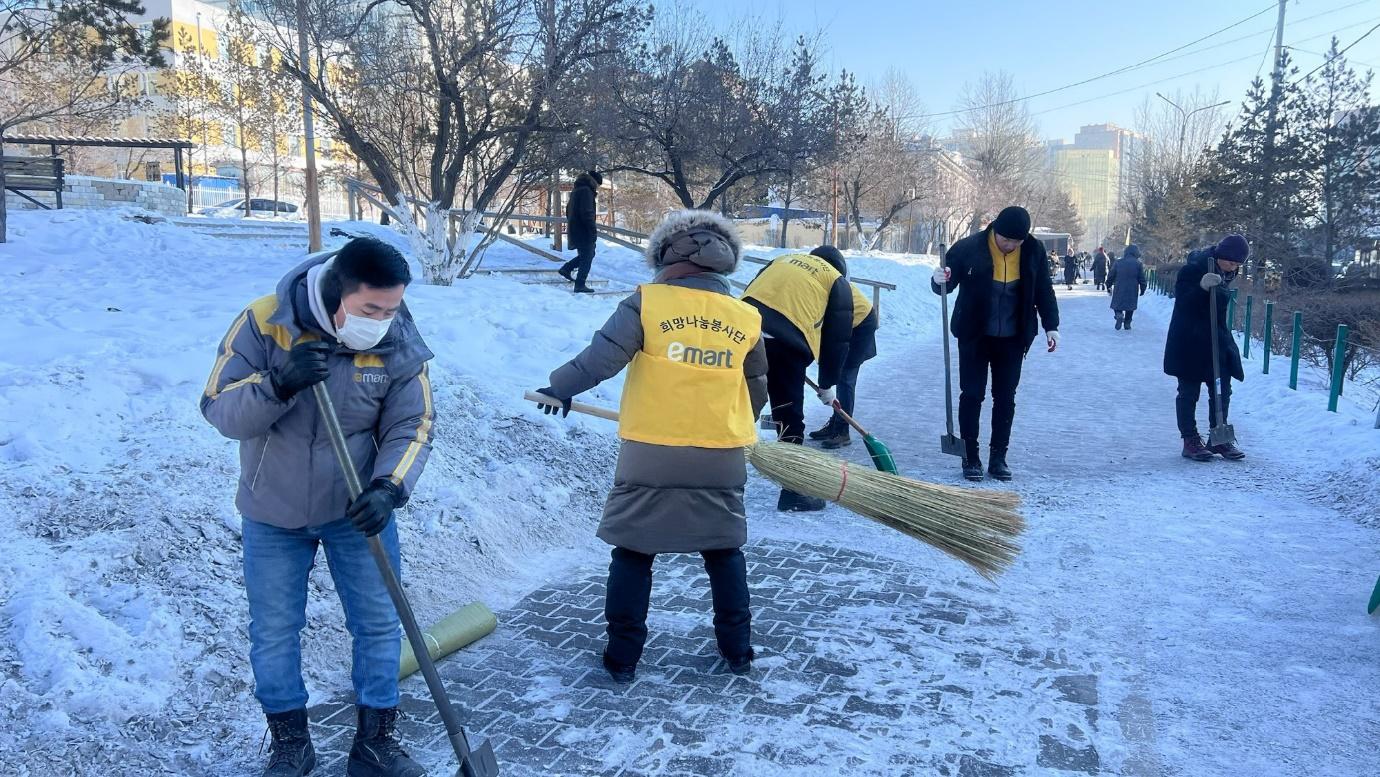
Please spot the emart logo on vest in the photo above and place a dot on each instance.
(689, 354)
(371, 377)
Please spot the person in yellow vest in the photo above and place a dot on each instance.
(862, 345)
(697, 380)
(807, 316)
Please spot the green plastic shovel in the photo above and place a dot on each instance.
(881, 455)
(1374, 599)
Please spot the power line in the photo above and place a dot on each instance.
(1321, 54)
(1330, 58)
(1118, 71)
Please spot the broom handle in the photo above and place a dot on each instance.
(838, 408)
(578, 407)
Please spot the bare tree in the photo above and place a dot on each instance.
(1160, 197)
(997, 136)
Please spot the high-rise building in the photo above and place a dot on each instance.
(1096, 170)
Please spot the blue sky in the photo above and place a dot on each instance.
(1045, 45)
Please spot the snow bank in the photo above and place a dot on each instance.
(121, 593)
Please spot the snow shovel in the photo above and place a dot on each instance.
(881, 455)
(1221, 433)
(1374, 600)
(479, 762)
(948, 443)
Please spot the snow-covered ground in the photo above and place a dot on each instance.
(1224, 602)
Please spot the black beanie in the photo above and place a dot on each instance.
(832, 255)
(598, 178)
(1012, 223)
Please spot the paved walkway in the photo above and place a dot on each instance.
(825, 622)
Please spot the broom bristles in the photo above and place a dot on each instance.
(977, 527)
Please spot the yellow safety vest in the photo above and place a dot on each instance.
(686, 386)
(861, 306)
(797, 286)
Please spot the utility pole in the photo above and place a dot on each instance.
(308, 137)
(1272, 126)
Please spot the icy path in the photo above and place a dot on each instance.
(1167, 617)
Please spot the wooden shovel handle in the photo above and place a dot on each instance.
(578, 407)
(838, 408)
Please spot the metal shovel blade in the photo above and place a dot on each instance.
(482, 762)
(952, 445)
(1221, 435)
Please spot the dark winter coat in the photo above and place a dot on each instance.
(1187, 349)
(836, 330)
(580, 225)
(1070, 268)
(1099, 268)
(1126, 282)
(289, 476)
(970, 263)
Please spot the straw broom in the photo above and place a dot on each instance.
(977, 527)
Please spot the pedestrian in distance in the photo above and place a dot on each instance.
(862, 345)
(1003, 281)
(1099, 268)
(807, 316)
(581, 229)
(1070, 269)
(1188, 346)
(1126, 284)
(697, 380)
(337, 319)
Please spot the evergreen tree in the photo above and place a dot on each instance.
(1257, 182)
(1347, 178)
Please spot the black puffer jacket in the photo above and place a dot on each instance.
(971, 264)
(1188, 347)
(579, 213)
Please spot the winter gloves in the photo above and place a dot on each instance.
(1209, 280)
(1052, 337)
(827, 395)
(372, 511)
(305, 367)
(941, 276)
(564, 409)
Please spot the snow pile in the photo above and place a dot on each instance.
(121, 594)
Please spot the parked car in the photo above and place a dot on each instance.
(257, 207)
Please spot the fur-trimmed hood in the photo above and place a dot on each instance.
(700, 236)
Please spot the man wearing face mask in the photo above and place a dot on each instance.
(337, 319)
(1002, 277)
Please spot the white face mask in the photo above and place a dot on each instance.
(360, 333)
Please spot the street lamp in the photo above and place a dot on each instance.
(1183, 122)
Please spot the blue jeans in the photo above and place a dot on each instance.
(276, 564)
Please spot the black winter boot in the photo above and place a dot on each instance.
(291, 754)
(972, 462)
(828, 430)
(839, 439)
(377, 751)
(1228, 450)
(742, 665)
(621, 674)
(791, 502)
(1194, 449)
(996, 466)
(580, 288)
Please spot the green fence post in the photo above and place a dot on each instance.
(1246, 330)
(1231, 311)
(1294, 351)
(1337, 357)
(1269, 335)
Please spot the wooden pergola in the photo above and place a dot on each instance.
(55, 142)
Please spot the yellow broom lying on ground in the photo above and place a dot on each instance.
(977, 527)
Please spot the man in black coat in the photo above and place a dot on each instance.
(1188, 347)
(1002, 277)
(1099, 268)
(580, 229)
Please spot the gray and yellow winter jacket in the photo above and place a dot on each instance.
(289, 476)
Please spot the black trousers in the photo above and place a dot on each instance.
(1124, 316)
(579, 266)
(1186, 405)
(629, 596)
(786, 388)
(848, 387)
(1002, 356)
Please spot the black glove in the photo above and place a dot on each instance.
(564, 409)
(372, 511)
(305, 366)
